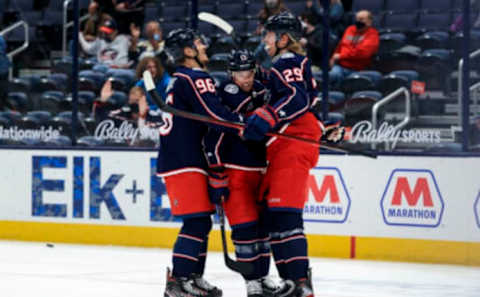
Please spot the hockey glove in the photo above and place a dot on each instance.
(333, 133)
(260, 122)
(218, 185)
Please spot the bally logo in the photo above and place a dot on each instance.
(412, 198)
(328, 199)
(476, 208)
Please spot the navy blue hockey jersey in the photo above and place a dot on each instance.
(181, 148)
(228, 149)
(292, 86)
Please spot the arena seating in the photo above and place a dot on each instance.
(415, 45)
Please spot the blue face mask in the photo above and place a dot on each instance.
(156, 37)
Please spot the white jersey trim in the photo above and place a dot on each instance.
(182, 170)
(244, 168)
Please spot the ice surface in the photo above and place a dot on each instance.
(33, 269)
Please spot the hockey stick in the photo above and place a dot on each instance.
(216, 21)
(243, 268)
(219, 23)
(150, 86)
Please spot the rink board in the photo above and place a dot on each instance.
(395, 208)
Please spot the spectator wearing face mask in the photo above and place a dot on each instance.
(271, 7)
(110, 49)
(149, 47)
(355, 51)
(136, 109)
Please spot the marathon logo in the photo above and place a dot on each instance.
(412, 198)
(328, 199)
(476, 208)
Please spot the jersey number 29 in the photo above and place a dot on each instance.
(293, 75)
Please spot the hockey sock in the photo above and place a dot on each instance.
(250, 247)
(264, 243)
(191, 242)
(202, 257)
(288, 244)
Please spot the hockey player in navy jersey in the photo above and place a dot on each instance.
(182, 164)
(242, 163)
(292, 89)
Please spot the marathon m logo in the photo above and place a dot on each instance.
(328, 200)
(412, 198)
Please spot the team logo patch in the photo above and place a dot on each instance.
(476, 208)
(231, 88)
(243, 58)
(412, 198)
(328, 199)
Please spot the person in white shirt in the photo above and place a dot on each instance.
(111, 48)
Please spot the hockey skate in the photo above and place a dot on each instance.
(200, 283)
(272, 289)
(254, 288)
(194, 286)
(303, 289)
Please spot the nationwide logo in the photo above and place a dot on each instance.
(476, 208)
(412, 198)
(328, 199)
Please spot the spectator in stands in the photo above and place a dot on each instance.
(150, 47)
(111, 48)
(356, 50)
(160, 76)
(95, 19)
(313, 38)
(102, 6)
(4, 68)
(124, 11)
(128, 12)
(271, 7)
(136, 108)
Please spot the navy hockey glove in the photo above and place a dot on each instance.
(218, 185)
(260, 122)
(333, 133)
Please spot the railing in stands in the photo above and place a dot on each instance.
(475, 90)
(384, 101)
(67, 25)
(472, 55)
(19, 49)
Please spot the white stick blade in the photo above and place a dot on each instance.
(148, 80)
(215, 20)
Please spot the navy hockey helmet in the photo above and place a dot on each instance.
(284, 23)
(177, 40)
(240, 60)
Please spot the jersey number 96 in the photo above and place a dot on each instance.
(205, 85)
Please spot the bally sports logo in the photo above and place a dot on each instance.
(412, 198)
(328, 199)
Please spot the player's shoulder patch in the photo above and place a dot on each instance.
(287, 56)
(231, 89)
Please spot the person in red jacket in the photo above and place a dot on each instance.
(356, 49)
